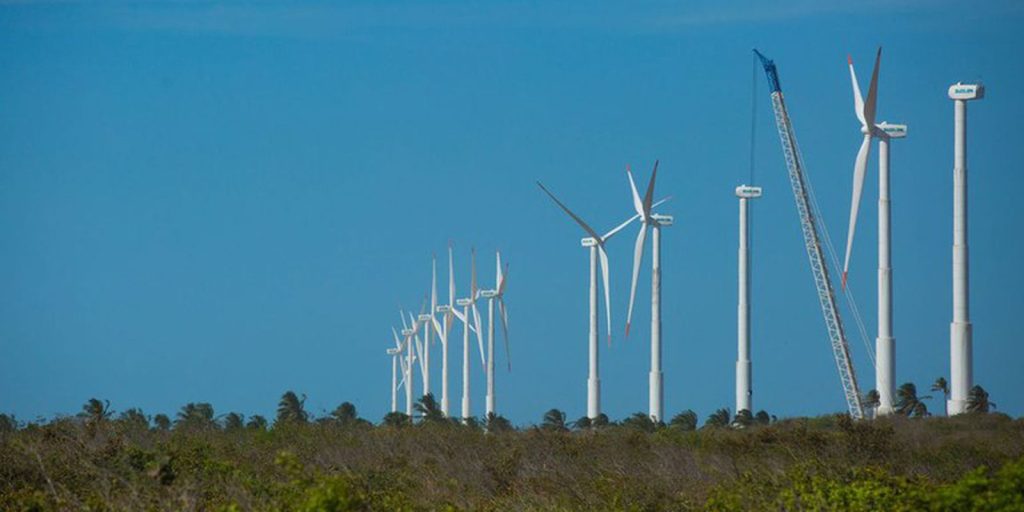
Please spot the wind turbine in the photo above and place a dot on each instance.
(961, 370)
(744, 391)
(885, 344)
(396, 354)
(595, 244)
(448, 313)
(468, 306)
(496, 295)
(655, 222)
(407, 335)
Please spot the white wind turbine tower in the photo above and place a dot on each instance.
(885, 344)
(468, 306)
(407, 335)
(744, 391)
(448, 313)
(655, 222)
(492, 296)
(396, 354)
(595, 243)
(960, 331)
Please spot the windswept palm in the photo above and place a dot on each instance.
(942, 386)
(345, 414)
(908, 403)
(686, 420)
(292, 409)
(719, 418)
(871, 401)
(95, 411)
(554, 420)
(196, 415)
(428, 410)
(977, 400)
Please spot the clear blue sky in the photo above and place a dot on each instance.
(206, 201)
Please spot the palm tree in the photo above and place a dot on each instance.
(345, 414)
(554, 420)
(428, 410)
(871, 401)
(496, 424)
(162, 422)
(640, 421)
(134, 419)
(977, 400)
(762, 418)
(908, 403)
(686, 421)
(583, 423)
(196, 416)
(95, 411)
(940, 384)
(743, 419)
(396, 419)
(256, 422)
(233, 421)
(8, 423)
(719, 418)
(291, 409)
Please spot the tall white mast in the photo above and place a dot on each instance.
(960, 342)
(394, 353)
(744, 391)
(656, 394)
(885, 343)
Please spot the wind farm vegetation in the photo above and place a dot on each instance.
(198, 460)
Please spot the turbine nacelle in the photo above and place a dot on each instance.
(394, 351)
(444, 309)
(892, 131)
(463, 302)
(488, 294)
(748, 192)
(424, 318)
(408, 332)
(588, 241)
(966, 92)
(662, 220)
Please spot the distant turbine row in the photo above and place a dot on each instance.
(412, 345)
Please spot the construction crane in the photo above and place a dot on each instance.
(812, 242)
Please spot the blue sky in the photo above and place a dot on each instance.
(206, 201)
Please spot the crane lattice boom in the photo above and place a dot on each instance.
(812, 243)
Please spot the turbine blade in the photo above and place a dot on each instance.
(451, 277)
(638, 256)
(472, 282)
(504, 281)
(628, 221)
(503, 312)
(498, 277)
(566, 209)
(607, 292)
(402, 314)
(649, 196)
(638, 205)
(869, 105)
(859, 169)
(433, 285)
(858, 100)
(398, 344)
(479, 337)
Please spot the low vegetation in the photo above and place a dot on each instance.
(104, 460)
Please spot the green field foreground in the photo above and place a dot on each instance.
(972, 462)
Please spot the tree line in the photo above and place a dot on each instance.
(291, 410)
